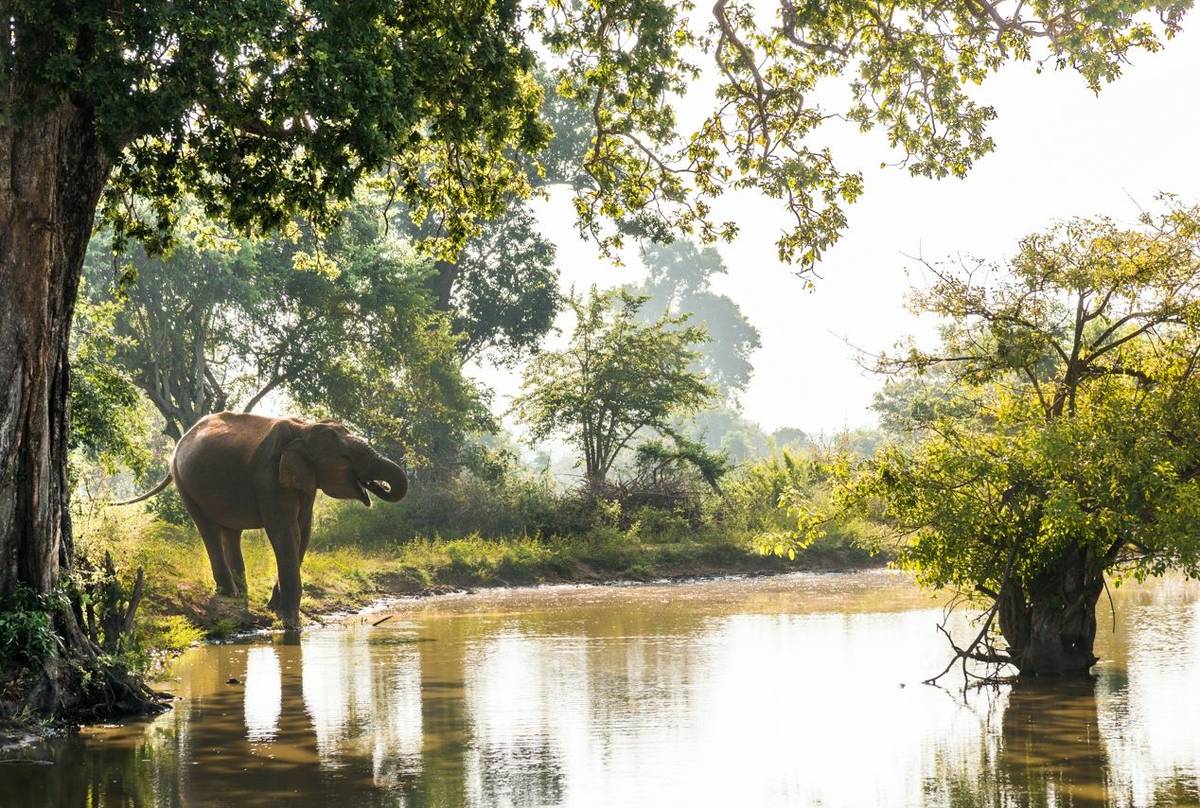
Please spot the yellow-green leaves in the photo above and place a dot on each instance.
(1059, 415)
(617, 377)
(911, 67)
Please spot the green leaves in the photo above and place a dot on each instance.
(910, 67)
(1063, 412)
(269, 110)
(266, 110)
(617, 377)
(107, 424)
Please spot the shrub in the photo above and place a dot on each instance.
(27, 627)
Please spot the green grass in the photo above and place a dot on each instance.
(180, 607)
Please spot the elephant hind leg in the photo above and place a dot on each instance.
(211, 533)
(231, 544)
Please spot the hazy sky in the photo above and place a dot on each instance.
(1061, 152)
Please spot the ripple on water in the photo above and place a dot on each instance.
(769, 691)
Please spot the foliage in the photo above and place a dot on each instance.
(1061, 447)
(343, 322)
(320, 97)
(656, 459)
(617, 377)
(393, 373)
(680, 282)
(27, 627)
(504, 295)
(514, 504)
(911, 399)
(106, 420)
(763, 499)
(789, 436)
(908, 66)
(272, 110)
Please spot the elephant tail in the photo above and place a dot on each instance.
(156, 489)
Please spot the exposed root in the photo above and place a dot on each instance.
(981, 648)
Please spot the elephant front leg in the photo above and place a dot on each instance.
(285, 600)
(304, 523)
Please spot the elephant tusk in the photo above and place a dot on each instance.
(384, 484)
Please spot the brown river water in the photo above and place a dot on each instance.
(795, 690)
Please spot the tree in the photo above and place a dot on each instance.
(173, 314)
(272, 110)
(343, 324)
(722, 428)
(262, 112)
(502, 289)
(617, 377)
(680, 282)
(502, 292)
(1062, 448)
(908, 64)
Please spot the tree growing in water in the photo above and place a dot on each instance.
(1061, 447)
(617, 377)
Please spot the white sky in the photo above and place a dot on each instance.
(1061, 152)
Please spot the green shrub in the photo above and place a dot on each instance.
(518, 505)
(660, 525)
(27, 627)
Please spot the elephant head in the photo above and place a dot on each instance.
(325, 455)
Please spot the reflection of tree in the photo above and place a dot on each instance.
(1049, 752)
(443, 717)
(526, 773)
(83, 774)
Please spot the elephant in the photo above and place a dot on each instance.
(239, 471)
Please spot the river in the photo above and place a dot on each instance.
(791, 690)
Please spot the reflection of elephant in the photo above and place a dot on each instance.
(237, 471)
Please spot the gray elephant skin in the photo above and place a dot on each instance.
(238, 471)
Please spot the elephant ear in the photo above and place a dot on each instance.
(295, 469)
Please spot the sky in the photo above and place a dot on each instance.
(1061, 152)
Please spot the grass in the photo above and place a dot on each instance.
(179, 607)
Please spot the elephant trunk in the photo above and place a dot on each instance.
(384, 478)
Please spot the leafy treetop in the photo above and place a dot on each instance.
(617, 377)
(908, 64)
(270, 109)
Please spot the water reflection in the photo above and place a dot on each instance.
(787, 691)
(263, 699)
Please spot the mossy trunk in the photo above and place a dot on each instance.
(1050, 622)
(52, 172)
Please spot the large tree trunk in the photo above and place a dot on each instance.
(1050, 626)
(52, 171)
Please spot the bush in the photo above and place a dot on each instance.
(755, 493)
(516, 505)
(27, 627)
(661, 525)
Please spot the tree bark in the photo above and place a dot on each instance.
(52, 171)
(1050, 625)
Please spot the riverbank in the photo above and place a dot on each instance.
(180, 609)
